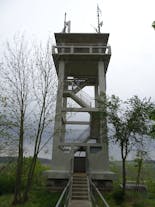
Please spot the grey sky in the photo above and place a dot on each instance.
(132, 67)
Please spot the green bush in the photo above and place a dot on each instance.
(7, 176)
(38, 178)
(139, 204)
(118, 196)
(38, 198)
(7, 179)
(6, 184)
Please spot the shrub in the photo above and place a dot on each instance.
(118, 196)
(139, 204)
(6, 184)
(7, 176)
(7, 179)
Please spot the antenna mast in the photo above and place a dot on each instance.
(99, 24)
(67, 25)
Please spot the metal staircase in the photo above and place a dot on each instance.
(81, 192)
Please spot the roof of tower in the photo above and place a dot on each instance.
(83, 38)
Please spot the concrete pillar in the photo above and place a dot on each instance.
(98, 156)
(96, 94)
(60, 160)
(64, 115)
(103, 122)
(58, 115)
(101, 77)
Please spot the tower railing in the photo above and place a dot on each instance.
(81, 49)
(96, 196)
(65, 195)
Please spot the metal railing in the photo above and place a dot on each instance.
(81, 49)
(65, 195)
(96, 196)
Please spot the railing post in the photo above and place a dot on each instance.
(53, 49)
(72, 49)
(109, 50)
(90, 49)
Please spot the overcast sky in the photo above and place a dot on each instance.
(132, 66)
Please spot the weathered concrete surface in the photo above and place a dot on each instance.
(80, 203)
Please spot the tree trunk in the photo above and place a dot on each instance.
(30, 178)
(19, 170)
(140, 162)
(124, 175)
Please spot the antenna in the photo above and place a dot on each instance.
(67, 25)
(99, 23)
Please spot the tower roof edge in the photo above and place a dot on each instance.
(83, 38)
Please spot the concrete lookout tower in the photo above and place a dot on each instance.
(81, 59)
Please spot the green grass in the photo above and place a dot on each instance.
(40, 197)
(133, 199)
(37, 198)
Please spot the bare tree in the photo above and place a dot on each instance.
(16, 70)
(44, 88)
(30, 89)
(7, 144)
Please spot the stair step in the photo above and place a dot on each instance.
(80, 184)
(80, 189)
(80, 194)
(79, 197)
(79, 178)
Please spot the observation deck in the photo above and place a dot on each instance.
(81, 51)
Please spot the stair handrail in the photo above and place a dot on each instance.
(65, 195)
(93, 188)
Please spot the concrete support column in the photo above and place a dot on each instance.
(60, 160)
(96, 94)
(103, 122)
(64, 115)
(101, 77)
(58, 116)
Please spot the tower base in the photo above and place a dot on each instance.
(103, 180)
(56, 180)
